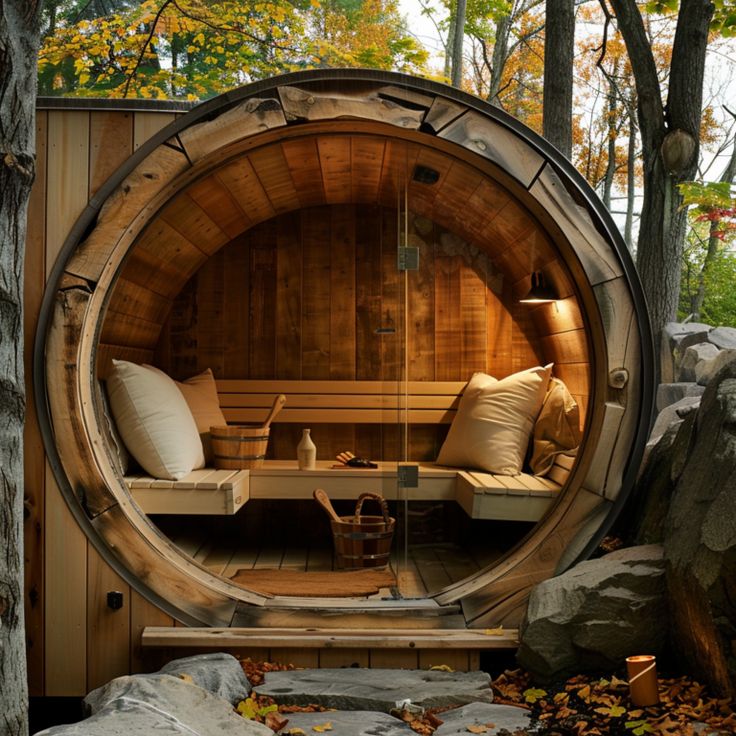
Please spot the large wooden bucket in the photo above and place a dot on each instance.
(238, 447)
(364, 541)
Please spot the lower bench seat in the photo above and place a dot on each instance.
(481, 495)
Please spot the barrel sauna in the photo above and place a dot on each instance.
(244, 215)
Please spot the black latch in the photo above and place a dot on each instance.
(114, 600)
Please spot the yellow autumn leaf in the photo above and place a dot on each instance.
(321, 728)
(83, 78)
(476, 729)
(441, 668)
(533, 694)
(296, 732)
(498, 631)
(615, 711)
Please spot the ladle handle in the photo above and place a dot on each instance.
(324, 501)
(278, 404)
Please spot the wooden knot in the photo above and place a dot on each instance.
(481, 145)
(618, 378)
(678, 149)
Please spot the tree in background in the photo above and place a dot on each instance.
(197, 49)
(19, 40)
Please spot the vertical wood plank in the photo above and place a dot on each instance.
(457, 659)
(108, 631)
(334, 658)
(147, 124)
(447, 319)
(473, 319)
(68, 167)
(396, 659)
(367, 294)
(33, 450)
(111, 143)
(212, 311)
(392, 311)
(262, 302)
(421, 303)
(237, 299)
(289, 297)
(65, 617)
(315, 296)
(499, 324)
(342, 292)
(297, 656)
(142, 614)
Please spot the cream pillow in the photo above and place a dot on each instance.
(557, 430)
(494, 421)
(200, 393)
(154, 420)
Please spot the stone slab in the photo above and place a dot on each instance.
(492, 716)
(348, 723)
(218, 672)
(707, 370)
(159, 704)
(693, 355)
(723, 337)
(670, 393)
(376, 689)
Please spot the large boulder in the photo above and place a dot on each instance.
(723, 338)
(676, 337)
(693, 355)
(669, 416)
(596, 614)
(670, 393)
(218, 672)
(706, 370)
(700, 540)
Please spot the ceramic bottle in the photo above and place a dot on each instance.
(306, 452)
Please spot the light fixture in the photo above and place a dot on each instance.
(425, 175)
(540, 293)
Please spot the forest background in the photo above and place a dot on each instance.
(196, 49)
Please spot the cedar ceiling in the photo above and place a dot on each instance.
(311, 170)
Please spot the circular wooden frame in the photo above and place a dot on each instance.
(619, 337)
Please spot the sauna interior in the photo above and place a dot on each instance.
(279, 269)
(360, 242)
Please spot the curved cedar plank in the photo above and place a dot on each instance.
(70, 431)
(494, 142)
(244, 120)
(594, 252)
(145, 182)
(442, 113)
(299, 104)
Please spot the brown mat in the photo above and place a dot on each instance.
(315, 584)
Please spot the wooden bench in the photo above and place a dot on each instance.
(481, 495)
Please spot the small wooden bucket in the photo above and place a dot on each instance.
(238, 447)
(364, 541)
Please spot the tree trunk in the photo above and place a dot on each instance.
(630, 184)
(457, 44)
(499, 57)
(19, 41)
(559, 48)
(663, 222)
(611, 140)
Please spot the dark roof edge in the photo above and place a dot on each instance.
(106, 103)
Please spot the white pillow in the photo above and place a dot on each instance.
(154, 420)
(494, 421)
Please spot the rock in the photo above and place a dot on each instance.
(349, 723)
(596, 614)
(144, 704)
(700, 540)
(375, 689)
(669, 393)
(693, 355)
(218, 672)
(707, 369)
(509, 717)
(671, 415)
(677, 336)
(723, 337)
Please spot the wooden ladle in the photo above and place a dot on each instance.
(278, 404)
(324, 501)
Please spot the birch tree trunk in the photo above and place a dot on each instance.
(670, 137)
(19, 39)
(457, 44)
(559, 47)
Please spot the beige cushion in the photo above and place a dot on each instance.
(494, 421)
(154, 420)
(557, 429)
(200, 393)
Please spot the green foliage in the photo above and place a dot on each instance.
(724, 15)
(196, 49)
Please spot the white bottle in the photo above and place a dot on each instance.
(306, 452)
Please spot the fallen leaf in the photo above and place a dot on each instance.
(476, 729)
(441, 668)
(275, 721)
(321, 728)
(584, 693)
(296, 732)
(614, 711)
(187, 678)
(498, 631)
(533, 694)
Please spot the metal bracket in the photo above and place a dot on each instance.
(408, 476)
(408, 258)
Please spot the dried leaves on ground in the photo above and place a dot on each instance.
(581, 706)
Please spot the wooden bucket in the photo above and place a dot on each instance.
(364, 541)
(238, 447)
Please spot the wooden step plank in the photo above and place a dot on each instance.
(170, 636)
(342, 401)
(240, 386)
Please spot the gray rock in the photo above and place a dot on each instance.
(700, 540)
(693, 355)
(723, 337)
(676, 336)
(375, 689)
(671, 415)
(144, 704)
(596, 614)
(218, 672)
(456, 722)
(349, 723)
(708, 369)
(670, 393)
